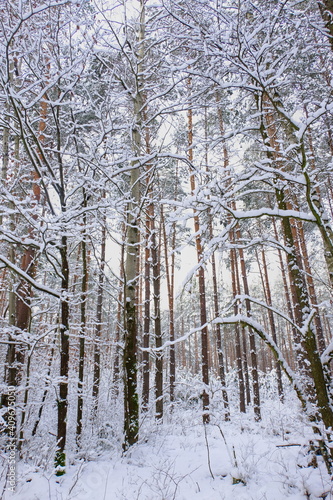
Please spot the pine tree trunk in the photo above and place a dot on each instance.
(120, 313)
(215, 298)
(155, 253)
(170, 277)
(98, 324)
(308, 358)
(60, 458)
(219, 342)
(147, 267)
(326, 11)
(131, 403)
(84, 288)
(268, 298)
(253, 348)
(311, 287)
(146, 319)
(240, 373)
(201, 279)
(40, 411)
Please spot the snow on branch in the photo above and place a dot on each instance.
(327, 355)
(244, 297)
(257, 327)
(271, 212)
(28, 278)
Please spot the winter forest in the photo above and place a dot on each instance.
(166, 251)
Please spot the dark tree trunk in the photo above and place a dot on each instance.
(83, 306)
(98, 324)
(155, 253)
(326, 11)
(240, 373)
(170, 276)
(60, 458)
(272, 323)
(201, 278)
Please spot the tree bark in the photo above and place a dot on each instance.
(60, 458)
(131, 403)
(155, 253)
(83, 321)
(170, 276)
(201, 277)
(98, 324)
(240, 373)
(268, 297)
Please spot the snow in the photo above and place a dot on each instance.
(248, 460)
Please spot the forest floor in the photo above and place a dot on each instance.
(181, 460)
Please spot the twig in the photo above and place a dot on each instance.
(208, 453)
(287, 445)
(76, 479)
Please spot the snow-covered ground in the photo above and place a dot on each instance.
(183, 460)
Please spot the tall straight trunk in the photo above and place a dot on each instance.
(315, 380)
(155, 253)
(311, 287)
(326, 11)
(239, 361)
(287, 292)
(24, 292)
(268, 297)
(83, 325)
(5, 154)
(98, 323)
(253, 348)
(170, 277)
(219, 342)
(11, 365)
(243, 340)
(311, 368)
(216, 299)
(147, 268)
(28, 264)
(234, 237)
(60, 458)
(315, 383)
(131, 403)
(304, 251)
(245, 365)
(120, 312)
(243, 381)
(46, 390)
(146, 316)
(329, 187)
(19, 297)
(201, 276)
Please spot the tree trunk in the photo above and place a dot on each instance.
(326, 11)
(170, 277)
(240, 373)
(155, 253)
(311, 287)
(98, 324)
(201, 278)
(46, 390)
(313, 376)
(215, 297)
(131, 403)
(120, 312)
(268, 297)
(60, 458)
(83, 306)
